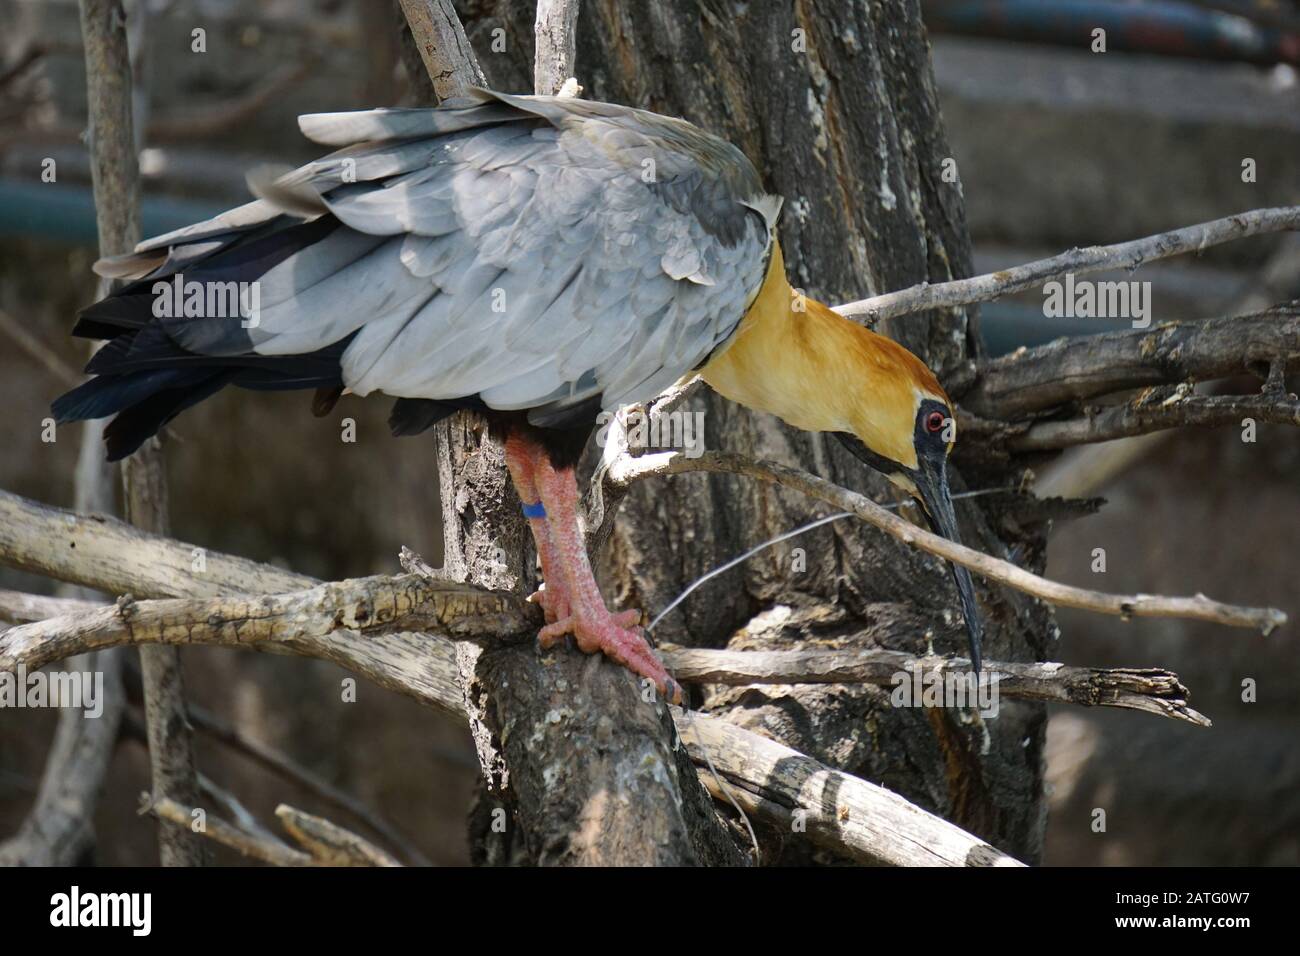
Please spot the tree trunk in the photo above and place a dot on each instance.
(578, 767)
(835, 104)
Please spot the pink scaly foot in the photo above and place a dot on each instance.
(592, 625)
(576, 607)
(552, 600)
(596, 629)
(552, 596)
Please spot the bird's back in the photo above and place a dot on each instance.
(526, 253)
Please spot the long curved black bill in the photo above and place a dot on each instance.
(931, 481)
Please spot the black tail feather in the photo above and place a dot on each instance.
(410, 416)
(107, 395)
(145, 377)
(130, 429)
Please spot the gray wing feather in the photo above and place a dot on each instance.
(514, 248)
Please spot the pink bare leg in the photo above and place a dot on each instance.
(553, 596)
(564, 560)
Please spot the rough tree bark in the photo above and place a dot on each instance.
(835, 103)
(580, 766)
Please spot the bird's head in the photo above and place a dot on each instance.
(902, 425)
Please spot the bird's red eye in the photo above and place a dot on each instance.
(934, 421)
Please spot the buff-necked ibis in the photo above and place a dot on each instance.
(535, 258)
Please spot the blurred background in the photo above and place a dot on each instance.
(1057, 147)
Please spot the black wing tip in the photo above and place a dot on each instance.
(77, 404)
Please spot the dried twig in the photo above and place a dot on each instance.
(17, 607)
(252, 845)
(1123, 255)
(557, 47)
(1141, 418)
(1200, 607)
(115, 171)
(108, 554)
(171, 750)
(325, 843)
(302, 622)
(1070, 370)
(227, 734)
(443, 46)
(604, 496)
(289, 769)
(1150, 690)
(330, 844)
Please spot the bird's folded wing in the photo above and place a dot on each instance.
(533, 251)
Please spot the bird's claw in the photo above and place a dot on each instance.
(553, 602)
(616, 636)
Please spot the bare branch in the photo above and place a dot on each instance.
(557, 44)
(330, 844)
(213, 791)
(604, 495)
(1072, 369)
(171, 751)
(254, 846)
(289, 769)
(115, 172)
(841, 812)
(1141, 418)
(1124, 605)
(1123, 255)
(443, 46)
(18, 607)
(1150, 690)
(104, 553)
(326, 843)
(226, 733)
(302, 622)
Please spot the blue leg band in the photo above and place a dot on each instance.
(534, 511)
